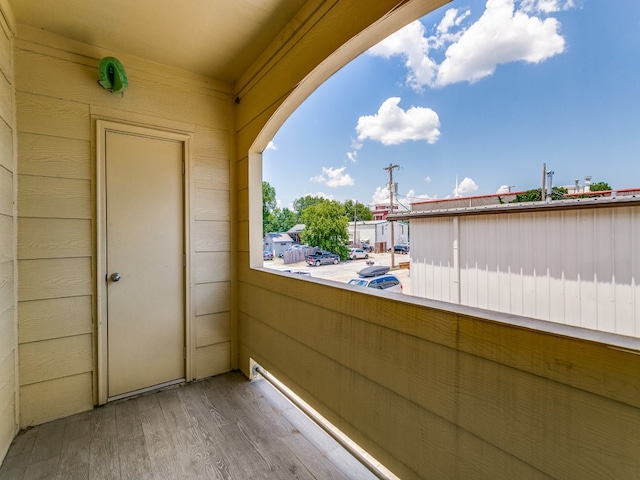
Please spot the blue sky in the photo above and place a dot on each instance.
(484, 92)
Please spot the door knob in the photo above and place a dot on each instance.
(115, 277)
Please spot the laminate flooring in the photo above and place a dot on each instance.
(224, 427)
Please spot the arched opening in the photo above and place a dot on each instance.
(482, 103)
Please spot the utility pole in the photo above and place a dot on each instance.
(355, 222)
(390, 169)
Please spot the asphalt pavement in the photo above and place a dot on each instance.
(345, 271)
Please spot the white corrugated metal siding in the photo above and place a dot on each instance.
(578, 267)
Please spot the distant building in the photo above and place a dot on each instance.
(277, 243)
(381, 210)
(295, 231)
(505, 198)
(377, 233)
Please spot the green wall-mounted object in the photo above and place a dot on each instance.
(111, 75)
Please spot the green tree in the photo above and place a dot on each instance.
(269, 205)
(535, 195)
(302, 203)
(283, 219)
(600, 186)
(362, 212)
(325, 226)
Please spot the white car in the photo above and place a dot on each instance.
(377, 277)
(355, 253)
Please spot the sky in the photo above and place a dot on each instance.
(473, 99)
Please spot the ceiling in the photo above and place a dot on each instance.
(215, 38)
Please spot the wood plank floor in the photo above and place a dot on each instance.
(225, 427)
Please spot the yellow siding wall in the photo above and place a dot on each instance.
(8, 337)
(57, 98)
(431, 390)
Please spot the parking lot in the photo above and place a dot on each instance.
(348, 269)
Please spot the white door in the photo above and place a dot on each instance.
(144, 262)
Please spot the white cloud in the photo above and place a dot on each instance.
(353, 155)
(278, 203)
(427, 179)
(381, 195)
(504, 189)
(392, 125)
(411, 43)
(503, 34)
(333, 177)
(320, 195)
(500, 36)
(465, 186)
(451, 19)
(271, 146)
(412, 196)
(546, 6)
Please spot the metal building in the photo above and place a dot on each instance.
(575, 262)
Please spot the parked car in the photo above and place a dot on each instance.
(322, 257)
(401, 248)
(377, 277)
(355, 253)
(367, 247)
(266, 255)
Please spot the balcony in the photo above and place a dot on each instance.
(223, 427)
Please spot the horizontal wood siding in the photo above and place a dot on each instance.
(6, 192)
(46, 197)
(430, 390)
(213, 359)
(57, 94)
(213, 269)
(54, 238)
(47, 156)
(48, 400)
(40, 361)
(54, 278)
(47, 319)
(448, 393)
(8, 269)
(8, 424)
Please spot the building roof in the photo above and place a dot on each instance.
(296, 228)
(278, 237)
(556, 205)
(369, 222)
(459, 202)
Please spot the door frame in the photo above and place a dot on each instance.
(160, 133)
